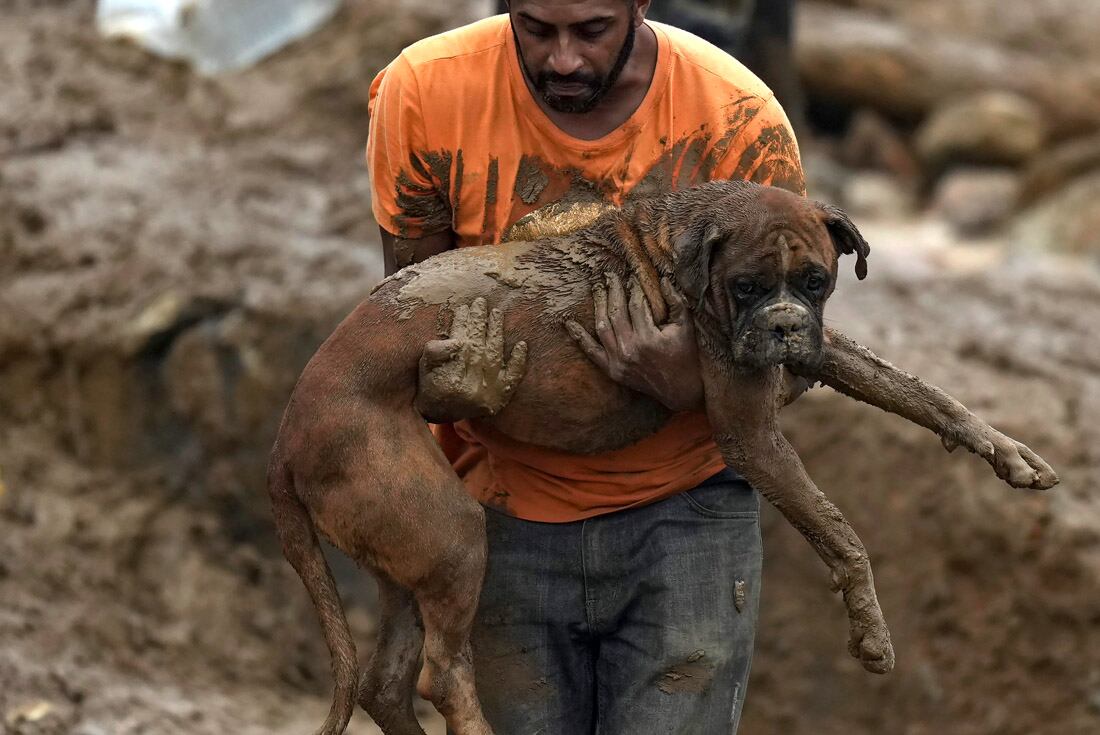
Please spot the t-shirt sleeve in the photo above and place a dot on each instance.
(766, 152)
(407, 200)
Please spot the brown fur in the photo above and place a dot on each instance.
(355, 461)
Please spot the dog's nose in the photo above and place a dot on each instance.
(785, 324)
(783, 320)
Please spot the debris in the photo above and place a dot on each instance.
(213, 35)
(31, 712)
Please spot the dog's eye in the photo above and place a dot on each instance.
(744, 288)
(815, 282)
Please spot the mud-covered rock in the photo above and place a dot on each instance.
(874, 194)
(988, 128)
(1062, 29)
(874, 143)
(1057, 167)
(976, 201)
(1065, 222)
(862, 59)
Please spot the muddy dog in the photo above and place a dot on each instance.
(355, 461)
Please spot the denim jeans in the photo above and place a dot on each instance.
(637, 622)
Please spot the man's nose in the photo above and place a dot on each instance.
(564, 59)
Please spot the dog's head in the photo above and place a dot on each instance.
(759, 265)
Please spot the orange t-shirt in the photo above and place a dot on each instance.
(457, 142)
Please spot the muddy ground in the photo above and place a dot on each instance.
(172, 249)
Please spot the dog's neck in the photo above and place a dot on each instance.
(623, 232)
(644, 233)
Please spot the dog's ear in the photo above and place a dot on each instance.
(846, 237)
(692, 252)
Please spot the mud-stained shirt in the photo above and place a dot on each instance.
(457, 142)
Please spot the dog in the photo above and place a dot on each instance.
(354, 459)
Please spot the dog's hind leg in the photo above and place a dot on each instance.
(385, 691)
(447, 607)
(398, 508)
(742, 410)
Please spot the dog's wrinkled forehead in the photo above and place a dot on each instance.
(775, 227)
(800, 221)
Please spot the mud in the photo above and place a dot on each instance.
(492, 182)
(172, 251)
(468, 375)
(692, 676)
(554, 220)
(531, 181)
(424, 209)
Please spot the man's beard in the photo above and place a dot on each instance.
(597, 87)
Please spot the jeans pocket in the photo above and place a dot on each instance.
(726, 495)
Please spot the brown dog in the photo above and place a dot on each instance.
(355, 460)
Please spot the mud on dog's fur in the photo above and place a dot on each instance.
(355, 461)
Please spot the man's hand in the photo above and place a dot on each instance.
(465, 376)
(660, 361)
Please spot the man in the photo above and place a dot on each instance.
(757, 33)
(621, 588)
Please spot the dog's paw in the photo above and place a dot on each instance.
(1017, 465)
(871, 645)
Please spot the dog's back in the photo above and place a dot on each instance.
(372, 357)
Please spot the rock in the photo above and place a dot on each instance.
(988, 128)
(826, 177)
(1055, 168)
(862, 59)
(876, 195)
(1066, 222)
(29, 712)
(1064, 29)
(975, 201)
(873, 142)
(89, 728)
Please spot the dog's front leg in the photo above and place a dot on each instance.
(857, 372)
(742, 408)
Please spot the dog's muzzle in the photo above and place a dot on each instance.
(782, 333)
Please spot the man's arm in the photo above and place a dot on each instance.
(398, 252)
(659, 361)
(464, 375)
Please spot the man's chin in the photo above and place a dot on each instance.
(571, 104)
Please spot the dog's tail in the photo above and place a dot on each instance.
(301, 548)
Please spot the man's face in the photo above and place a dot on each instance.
(572, 51)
